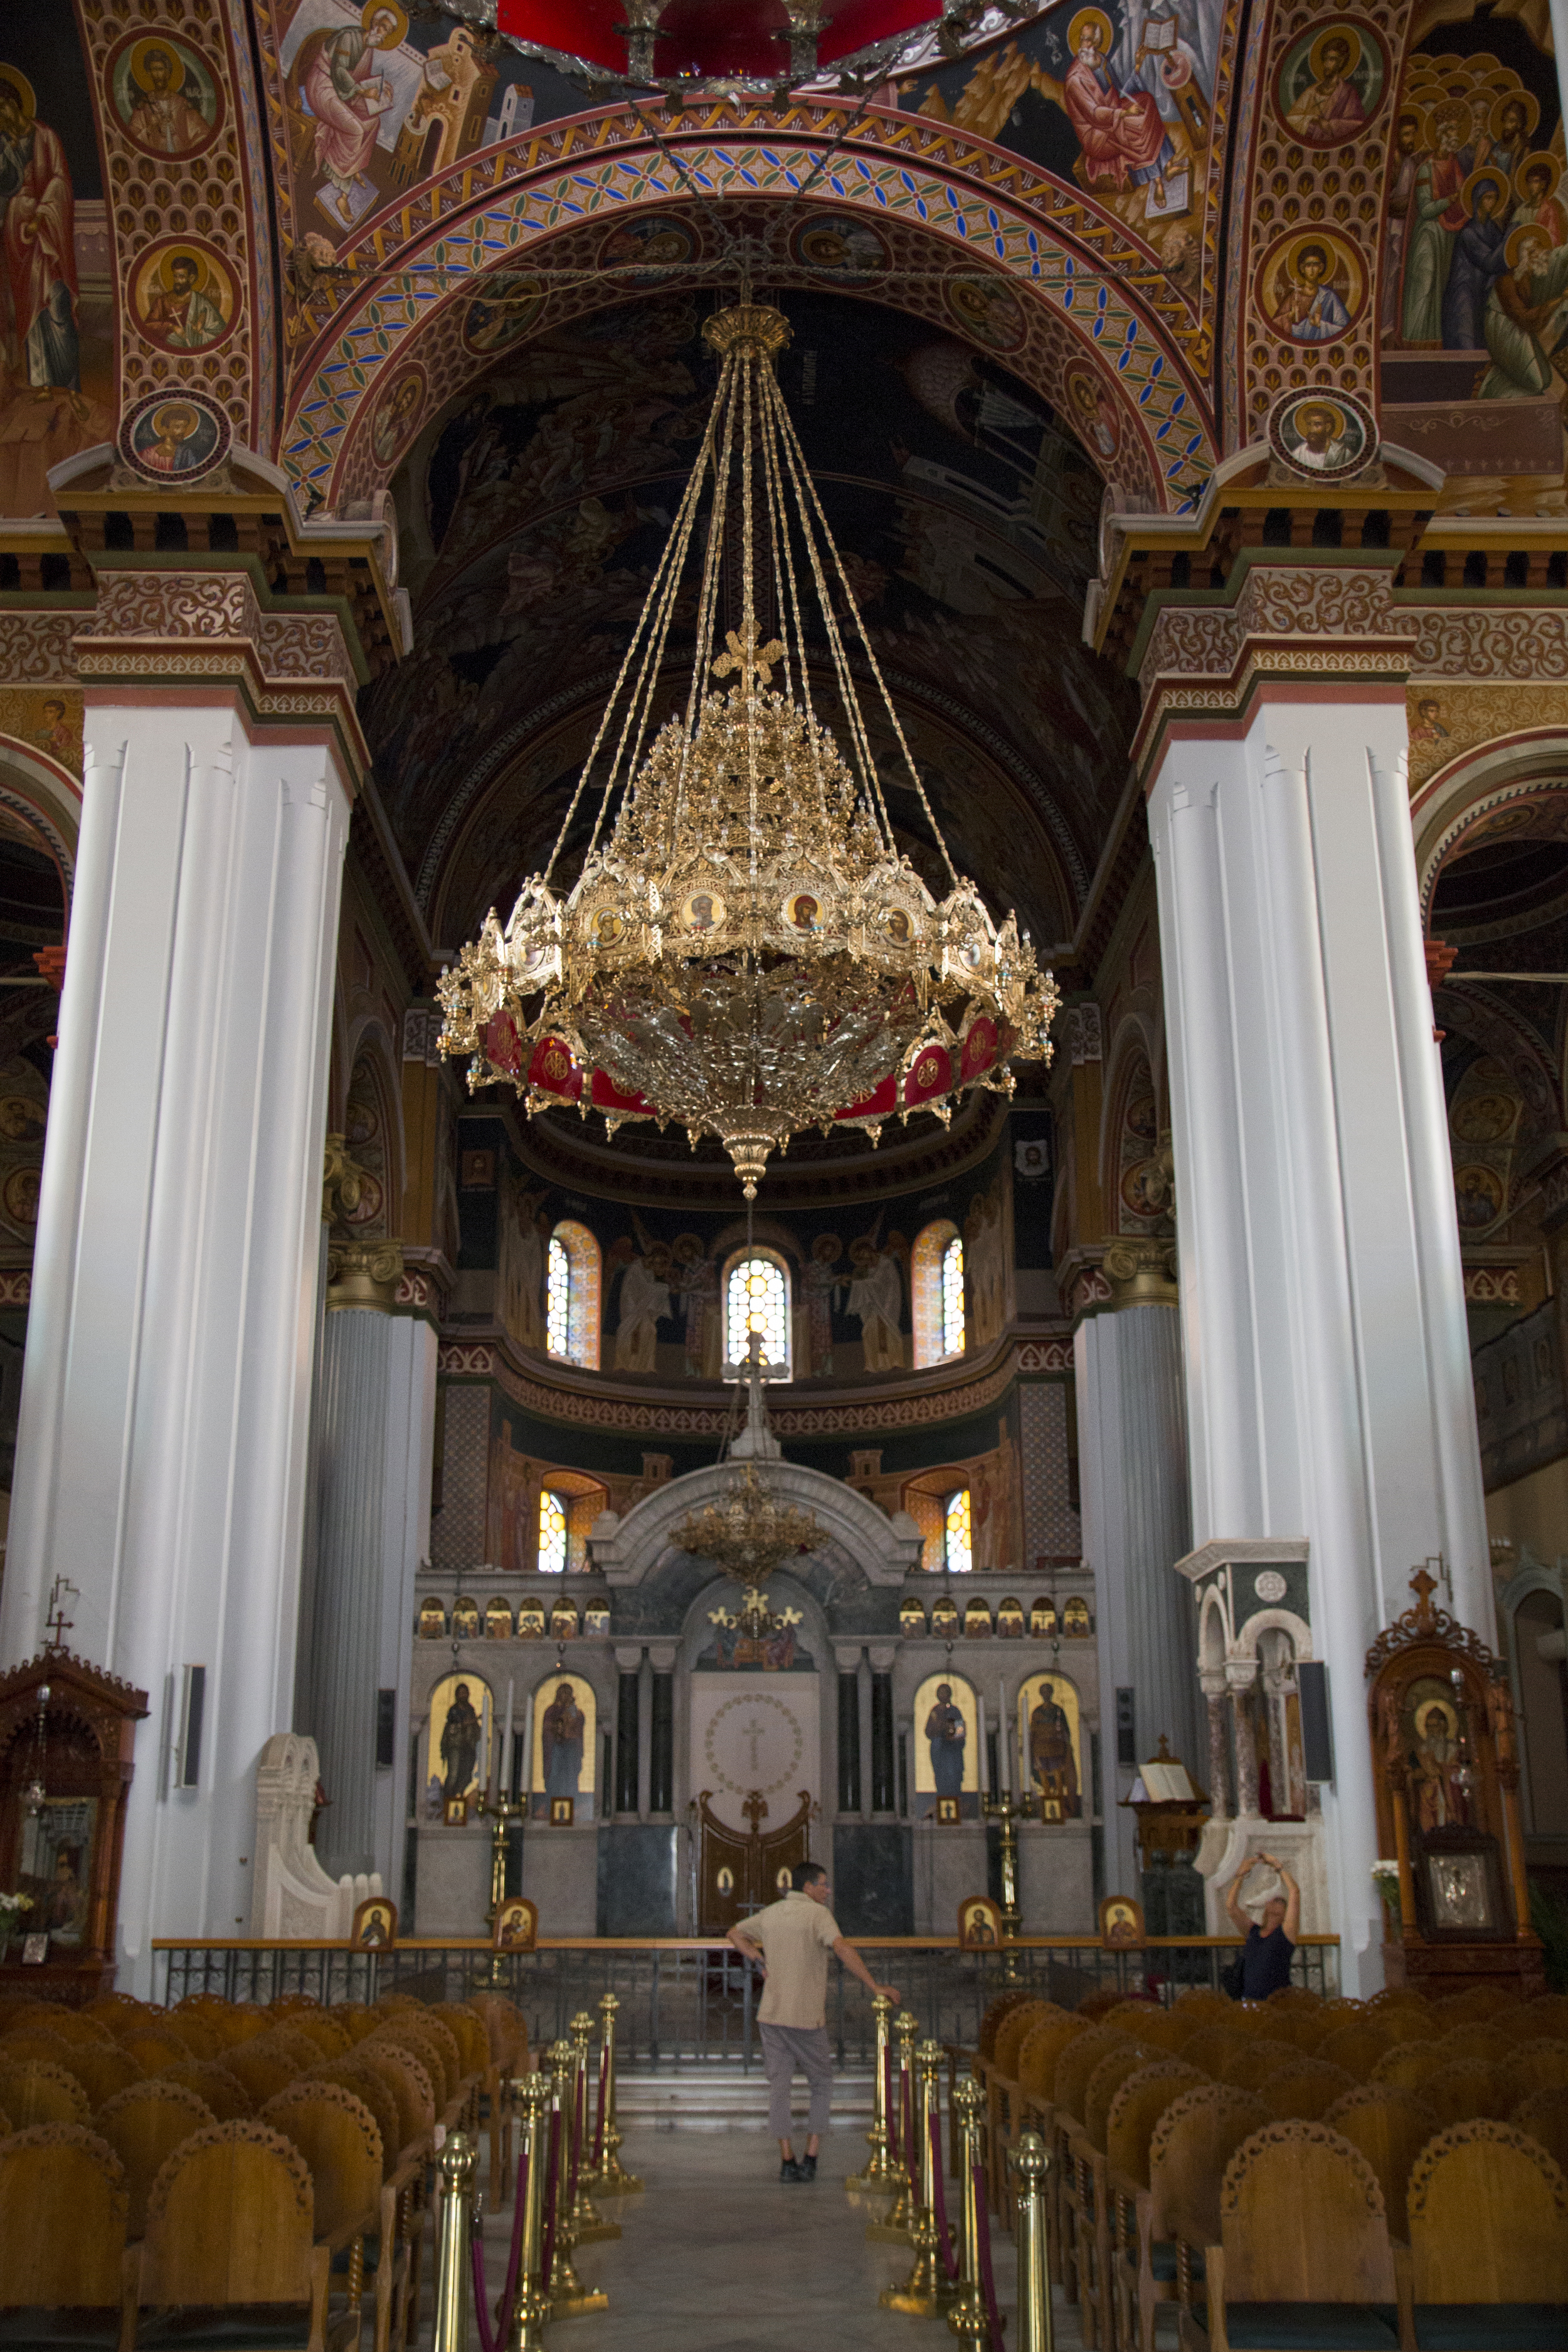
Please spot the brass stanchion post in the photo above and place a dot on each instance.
(586, 2218)
(1031, 2163)
(968, 2318)
(611, 2179)
(457, 2161)
(569, 2298)
(897, 2227)
(879, 2173)
(927, 2292)
(531, 2097)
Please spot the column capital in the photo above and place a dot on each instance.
(365, 1275)
(1141, 1271)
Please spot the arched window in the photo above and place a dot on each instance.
(756, 1299)
(572, 1296)
(956, 1537)
(936, 1287)
(551, 1533)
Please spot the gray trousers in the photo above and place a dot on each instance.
(785, 2047)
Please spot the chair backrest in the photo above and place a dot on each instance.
(210, 2079)
(337, 2136)
(1470, 2087)
(144, 2125)
(1192, 2142)
(1009, 2040)
(73, 2025)
(1303, 2029)
(371, 2088)
(989, 2024)
(324, 2029)
(101, 2069)
(1078, 2061)
(230, 2219)
(1489, 2219)
(408, 2083)
(1390, 2127)
(1165, 2030)
(1252, 2061)
(1304, 2088)
(1409, 2021)
(38, 2091)
(1545, 2019)
(1475, 2040)
(1357, 2047)
(20, 2043)
(157, 2045)
(62, 2218)
(1408, 2066)
(431, 2043)
(1104, 2083)
(194, 2022)
(508, 2034)
(262, 2069)
(1533, 2066)
(1210, 2046)
(1140, 2101)
(1043, 2047)
(1302, 2221)
(1543, 2118)
(1475, 2002)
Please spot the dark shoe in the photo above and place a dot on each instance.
(790, 2170)
(808, 2167)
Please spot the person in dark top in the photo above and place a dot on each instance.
(1269, 1942)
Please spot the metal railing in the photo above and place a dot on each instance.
(690, 2002)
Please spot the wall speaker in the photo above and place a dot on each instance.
(1317, 1739)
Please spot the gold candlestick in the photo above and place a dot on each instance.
(1009, 1810)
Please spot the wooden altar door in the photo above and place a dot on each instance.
(736, 1873)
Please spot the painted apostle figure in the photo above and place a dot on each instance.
(946, 1733)
(1051, 1759)
(460, 1736)
(562, 1738)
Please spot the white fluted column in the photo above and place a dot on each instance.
(1132, 1477)
(374, 1434)
(1326, 1367)
(161, 1458)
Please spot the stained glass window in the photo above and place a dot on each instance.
(757, 1299)
(952, 1298)
(552, 1534)
(959, 1551)
(558, 1297)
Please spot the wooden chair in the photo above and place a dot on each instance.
(1477, 2001)
(1178, 2210)
(1304, 2258)
(1390, 2127)
(154, 2044)
(1488, 2242)
(1085, 2217)
(144, 2125)
(1359, 2048)
(1543, 2118)
(262, 2069)
(37, 2091)
(1037, 2060)
(1304, 2029)
(1304, 2089)
(1249, 2065)
(999, 2076)
(210, 2079)
(371, 2088)
(1536, 2066)
(1108, 2078)
(356, 2203)
(1469, 2087)
(74, 2026)
(1545, 2019)
(1408, 2066)
(1410, 2021)
(196, 2025)
(325, 2029)
(63, 2265)
(1209, 2048)
(409, 2085)
(231, 2230)
(1476, 2041)
(102, 2069)
(1139, 2101)
(22, 2042)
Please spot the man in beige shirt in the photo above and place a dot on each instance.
(793, 1938)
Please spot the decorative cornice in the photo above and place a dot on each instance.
(587, 1401)
(55, 1666)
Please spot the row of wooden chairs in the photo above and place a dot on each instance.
(299, 2137)
(1099, 2087)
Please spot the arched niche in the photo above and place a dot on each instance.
(856, 1535)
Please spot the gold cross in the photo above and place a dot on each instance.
(751, 661)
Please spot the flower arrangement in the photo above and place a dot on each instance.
(10, 1903)
(1385, 1878)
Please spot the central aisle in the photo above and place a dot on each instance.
(717, 2253)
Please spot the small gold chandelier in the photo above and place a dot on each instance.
(750, 1530)
(745, 952)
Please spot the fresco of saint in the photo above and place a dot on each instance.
(1118, 123)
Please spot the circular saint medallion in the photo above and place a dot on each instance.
(174, 435)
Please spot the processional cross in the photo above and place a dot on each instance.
(753, 661)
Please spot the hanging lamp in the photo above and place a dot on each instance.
(745, 952)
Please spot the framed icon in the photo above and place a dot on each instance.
(561, 1810)
(455, 1813)
(516, 1928)
(1121, 1920)
(979, 1924)
(947, 1809)
(35, 1950)
(376, 1922)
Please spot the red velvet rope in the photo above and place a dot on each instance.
(907, 2122)
(890, 2107)
(599, 2127)
(494, 2339)
(944, 2242)
(579, 2094)
(987, 2280)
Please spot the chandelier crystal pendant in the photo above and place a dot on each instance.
(745, 952)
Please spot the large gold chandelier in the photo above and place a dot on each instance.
(745, 952)
(750, 1530)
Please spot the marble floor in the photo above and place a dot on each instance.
(717, 2255)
